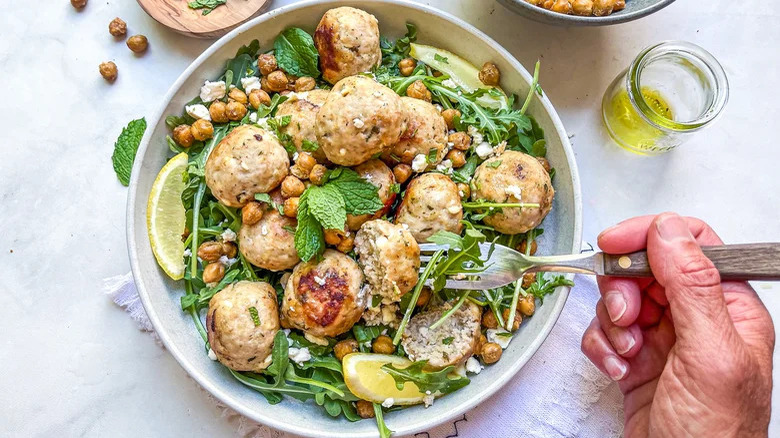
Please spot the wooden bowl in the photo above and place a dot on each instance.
(176, 15)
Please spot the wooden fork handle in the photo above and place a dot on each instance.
(753, 261)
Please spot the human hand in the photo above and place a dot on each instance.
(692, 355)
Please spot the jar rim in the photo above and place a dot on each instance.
(716, 72)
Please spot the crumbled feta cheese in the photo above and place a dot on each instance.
(445, 167)
(315, 339)
(212, 355)
(295, 156)
(263, 122)
(250, 83)
(405, 226)
(187, 252)
(419, 163)
(198, 111)
(358, 123)
(377, 93)
(499, 336)
(476, 137)
(484, 150)
(449, 83)
(515, 191)
(253, 117)
(319, 280)
(388, 403)
(450, 145)
(473, 365)
(229, 235)
(438, 107)
(264, 230)
(211, 91)
(287, 332)
(293, 96)
(227, 262)
(500, 148)
(455, 208)
(342, 151)
(299, 355)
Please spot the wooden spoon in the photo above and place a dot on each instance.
(176, 15)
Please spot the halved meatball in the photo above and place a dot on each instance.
(247, 161)
(461, 328)
(425, 130)
(269, 244)
(431, 203)
(514, 177)
(302, 109)
(389, 257)
(360, 118)
(347, 40)
(243, 338)
(324, 298)
(377, 173)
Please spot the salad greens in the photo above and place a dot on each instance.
(125, 148)
(206, 5)
(295, 53)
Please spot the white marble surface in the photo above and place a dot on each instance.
(72, 364)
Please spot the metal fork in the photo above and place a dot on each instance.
(754, 261)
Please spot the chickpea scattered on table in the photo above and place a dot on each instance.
(78, 4)
(137, 43)
(109, 71)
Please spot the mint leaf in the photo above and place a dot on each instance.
(255, 316)
(360, 196)
(309, 237)
(327, 205)
(206, 5)
(309, 146)
(296, 54)
(125, 148)
(494, 164)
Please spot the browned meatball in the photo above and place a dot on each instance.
(347, 40)
(426, 130)
(431, 203)
(268, 243)
(302, 109)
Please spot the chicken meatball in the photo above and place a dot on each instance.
(347, 40)
(360, 118)
(324, 298)
(269, 243)
(247, 161)
(514, 177)
(389, 257)
(377, 173)
(242, 338)
(425, 130)
(461, 328)
(302, 110)
(431, 203)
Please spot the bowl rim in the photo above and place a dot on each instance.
(225, 396)
(558, 18)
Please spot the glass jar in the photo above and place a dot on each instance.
(670, 91)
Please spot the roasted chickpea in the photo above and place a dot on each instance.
(78, 4)
(117, 27)
(292, 186)
(457, 157)
(489, 319)
(527, 305)
(210, 251)
(603, 7)
(109, 71)
(238, 96)
(619, 5)
(517, 321)
(305, 83)
(460, 141)
(528, 279)
(546, 164)
(266, 63)
(383, 345)
(218, 112)
(449, 117)
(407, 157)
(548, 4)
(346, 244)
(252, 213)
(402, 172)
(562, 7)
(291, 207)
(182, 135)
(343, 348)
(418, 90)
(213, 272)
(582, 7)
(464, 190)
(137, 43)
(299, 172)
(523, 246)
(333, 237)
(264, 84)
(306, 161)
(229, 249)
(436, 73)
(491, 353)
(202, 130)
(424, 298)
(407, 66)
(480, 342)
(489, 74)
(259, 97)
(277, 81)
(365, 409)
(235, 110)
(317, 174)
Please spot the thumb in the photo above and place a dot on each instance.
(691, 281)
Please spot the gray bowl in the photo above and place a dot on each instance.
(634, 9)
(160, 295)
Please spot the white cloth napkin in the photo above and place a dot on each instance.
(558, 393)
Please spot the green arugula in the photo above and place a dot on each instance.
(437, 382)
(542, 287)
(206, 5)
(384, 431)
(296, 54)
(393, 53)
(125, 148)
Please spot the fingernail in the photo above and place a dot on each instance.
(616, 368)
(616, 305)
(623, 340)
(672, 227)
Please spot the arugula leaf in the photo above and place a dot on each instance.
(296, 54)
(437, 382)
(393, 53)
(125, 148)
(327, 206)
(432, 155)
(280, 356)
(543, 287)
(309, 236)
(384, 431)
(206, 5)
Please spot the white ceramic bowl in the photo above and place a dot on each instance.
(160, 295)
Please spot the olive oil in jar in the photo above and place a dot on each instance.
(627, 126)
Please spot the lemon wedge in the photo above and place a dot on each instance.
(165, 216)
(462, 72)
(365, 378)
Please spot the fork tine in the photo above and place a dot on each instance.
(432, 247)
